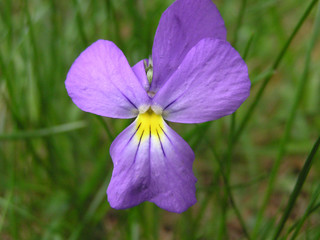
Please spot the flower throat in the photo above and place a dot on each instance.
(149, 124)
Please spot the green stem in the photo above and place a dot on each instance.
(106, 127)
(80, 24)
(239, 21)
(230, 195)
(248, 47)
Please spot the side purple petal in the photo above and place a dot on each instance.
(155, 168)
(211, 82)
(101, 81)
(140, 73)
(181, 27)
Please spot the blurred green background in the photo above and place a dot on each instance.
(252, 168)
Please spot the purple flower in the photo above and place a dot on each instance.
(197, 77)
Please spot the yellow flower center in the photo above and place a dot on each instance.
(149, 124)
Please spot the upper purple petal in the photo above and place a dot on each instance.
(140, 72)
(181, 27)
(151, 167)
(211, 82)
(102, 82)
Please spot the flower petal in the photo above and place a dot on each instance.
(140, 72)
(181, 27)
(151, 163)
(102, 82)
(211, 82)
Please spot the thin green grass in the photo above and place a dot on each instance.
(288, 127)
(297, 189)
(274, 67)
(44, 132)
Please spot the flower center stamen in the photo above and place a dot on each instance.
(149, 124)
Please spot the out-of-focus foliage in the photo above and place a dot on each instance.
(54, 159)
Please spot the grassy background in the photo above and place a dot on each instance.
(252, 167)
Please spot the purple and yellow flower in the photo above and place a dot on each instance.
(194, 76)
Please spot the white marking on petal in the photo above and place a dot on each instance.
(143, 108)
(135, 111)
(157, 109)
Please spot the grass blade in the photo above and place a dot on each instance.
(310, 209)
(289, 124)
(80, 24)
(297, 188)
(278, 60)
(239, 21)
(230, 195)
(105, 127)
(44, 132)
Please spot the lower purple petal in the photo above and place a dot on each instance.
(151, 163)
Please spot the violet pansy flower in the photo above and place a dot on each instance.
(197, 77)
